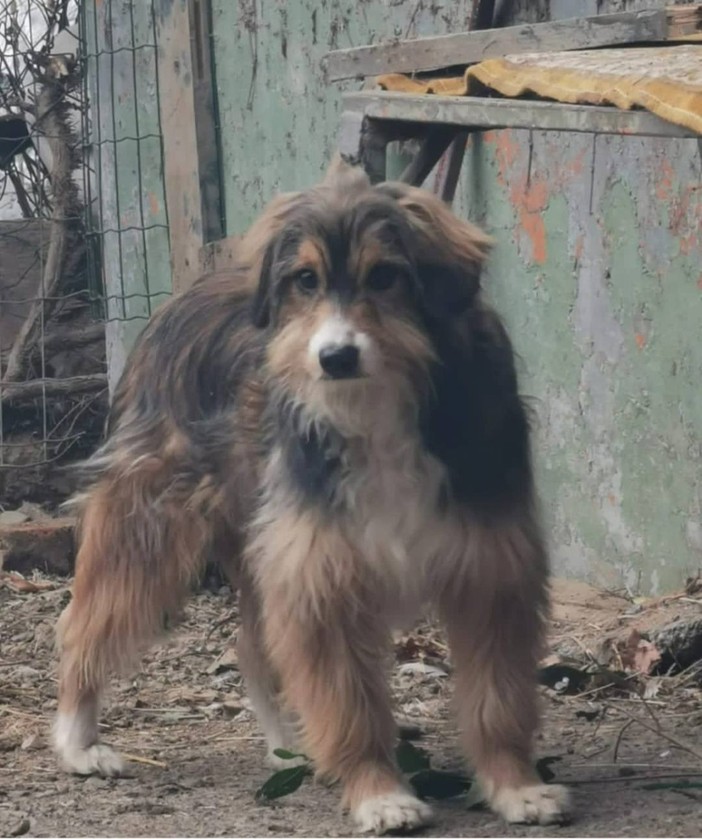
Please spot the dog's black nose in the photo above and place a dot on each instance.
(340, 362)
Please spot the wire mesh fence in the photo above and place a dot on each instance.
(83, 227)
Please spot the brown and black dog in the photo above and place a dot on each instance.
(338, 423)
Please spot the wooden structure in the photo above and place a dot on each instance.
(423, 54)
(371, 120)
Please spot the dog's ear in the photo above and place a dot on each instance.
(255, 253)
(344, 177)
(449, 251)
(262, 302)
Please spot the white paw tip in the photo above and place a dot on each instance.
(393, 811)
(538, 804)
(98, 759)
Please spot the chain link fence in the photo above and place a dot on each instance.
(82, 225)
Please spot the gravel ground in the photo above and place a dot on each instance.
(197, 756)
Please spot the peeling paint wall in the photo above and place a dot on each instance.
(598, 275)
(597, 271)
(278, 118)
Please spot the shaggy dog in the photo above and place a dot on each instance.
(338, 423)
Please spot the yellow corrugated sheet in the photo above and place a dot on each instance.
(664, 80)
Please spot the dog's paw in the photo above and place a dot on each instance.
(394, 811)
(97, 759)
(537, 804)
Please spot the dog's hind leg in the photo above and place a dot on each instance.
(135, 562)
(494, 607)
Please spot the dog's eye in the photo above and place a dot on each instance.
(306, 280)
(382, 277)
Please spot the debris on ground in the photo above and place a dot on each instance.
(616, 720)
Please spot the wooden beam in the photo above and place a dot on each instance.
(206, 119)
(423, 54)
(483, 113)
(219, 256)
(432, 148)
(684, 21)
(180, 149)
(482, 14)
(448, 178)
(47, 388)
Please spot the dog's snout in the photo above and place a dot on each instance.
(340, 362)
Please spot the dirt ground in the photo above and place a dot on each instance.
(196, 756)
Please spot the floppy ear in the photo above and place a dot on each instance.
(344, 177)
(449, 251)
(262, 303)
(254, 253)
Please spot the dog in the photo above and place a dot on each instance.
(337, 422)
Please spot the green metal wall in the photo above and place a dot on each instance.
(278, 118)
(597, 273)
(597, 269)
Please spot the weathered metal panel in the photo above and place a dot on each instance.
(278, 117)
(597, 271)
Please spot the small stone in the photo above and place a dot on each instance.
(227, 661)
(23, 671)
(32, 742)
(231, 709)
(13, 517)
(20, 828)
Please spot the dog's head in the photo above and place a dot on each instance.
(353, 280)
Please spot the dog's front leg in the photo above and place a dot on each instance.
(494, 607)
(326, 636)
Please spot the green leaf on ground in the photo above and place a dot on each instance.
(431, 783)
(411, 758)
(543, 767)
(283, 783)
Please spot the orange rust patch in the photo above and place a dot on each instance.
(530, 201)
(577, 165)
(664, 186)
(506, 153)
(154, 205)
(640, 339)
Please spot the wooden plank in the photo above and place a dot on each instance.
(684, 21)
(219, 256)
(462, 48)
(206, 119)
(432, 148)
(482, 14)
(180, 150)
(483, 113)
(48, 388)
(448, 178)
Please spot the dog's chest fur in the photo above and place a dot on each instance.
(380, 488)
